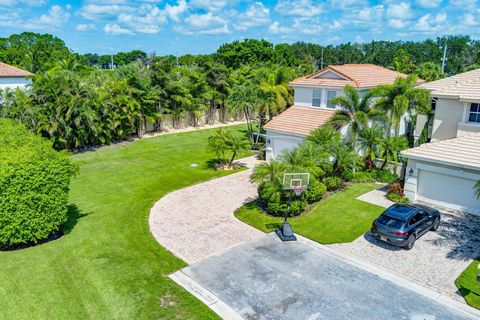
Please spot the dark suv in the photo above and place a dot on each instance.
(402, 224)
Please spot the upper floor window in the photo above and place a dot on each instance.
(474, 113)
(317, 98)
(330, 96)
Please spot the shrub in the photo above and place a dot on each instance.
(34, 185)
(395, 188)
(362, 176)
(332, 183)
(315, 191)
(397, 198)
(385, 176)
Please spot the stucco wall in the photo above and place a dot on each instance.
(303, 96)
(467, 128)
(14, 83)
(448, 113)
(277, 142)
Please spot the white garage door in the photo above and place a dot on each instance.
(448, 191)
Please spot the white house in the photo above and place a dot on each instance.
(445, 172)
(13, 77)
(455, 107)
(312, 107)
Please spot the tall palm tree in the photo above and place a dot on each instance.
(399, 98)
(354, 111)
(390, 148)
(369, 139)
(244, 98)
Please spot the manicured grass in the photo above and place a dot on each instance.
(468, 285)
(108, 265)
(338, 218)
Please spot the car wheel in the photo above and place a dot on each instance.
(411, 242)
(436, 224)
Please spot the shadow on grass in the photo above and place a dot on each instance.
(273, 226)
(73, 215)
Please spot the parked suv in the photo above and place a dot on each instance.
(402, 224)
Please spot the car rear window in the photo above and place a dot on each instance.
(390, 222)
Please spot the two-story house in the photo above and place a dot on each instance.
(312, 102)
(446, 170)
(13, 77)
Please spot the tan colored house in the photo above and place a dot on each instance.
(312, 102)
(455, 107)
(445, 172)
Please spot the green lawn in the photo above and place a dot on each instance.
(108, 266)
(338, 218)
(468, 285)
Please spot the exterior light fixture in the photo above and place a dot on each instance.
(410, 172)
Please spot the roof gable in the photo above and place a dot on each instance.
(329, 73)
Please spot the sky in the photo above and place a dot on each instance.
(201, 26)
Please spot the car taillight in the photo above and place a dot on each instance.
(400, 234)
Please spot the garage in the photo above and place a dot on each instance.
(445, 190)
(445, 173)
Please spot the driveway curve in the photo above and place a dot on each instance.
(197, 222)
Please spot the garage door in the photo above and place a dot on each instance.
(449, 191)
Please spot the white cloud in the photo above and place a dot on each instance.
(85, 27)
(463, 3)
(428, 3)
(115, 29)
(304, 8)
(470, 20)
(207, 23)
(345, 4)
(55, 18)
(429, 23)
(30, 3)
(401, 10)
(370, 13)
(256, 15)
(148, 21)
(95, 11)
(276, 28)
(176, 10)
(211, 5)
(397, 23)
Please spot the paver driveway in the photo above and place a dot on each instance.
(437, 258)
(196, 222)
(269, 279)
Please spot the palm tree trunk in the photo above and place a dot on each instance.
(233, 158)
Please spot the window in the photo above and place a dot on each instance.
(330, 96)
(390, 222)
(474, 113)
(317, 98)
(418, 217)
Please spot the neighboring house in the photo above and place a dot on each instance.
(445, 172)
(13, 77)
(312, 102)
(455, 107)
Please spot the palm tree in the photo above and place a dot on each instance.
(369, 139)
(399, 98)
(325, 137)
(292, 158)
(429, 71)
(267, 171)
(354, 111)
(217, 143)
(244, 98)
(477, 189)
(235, 145)
(345, 159)
(390, 149)
(315, 159)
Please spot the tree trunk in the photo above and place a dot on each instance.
(233, 158)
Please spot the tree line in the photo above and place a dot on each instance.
(78, 100)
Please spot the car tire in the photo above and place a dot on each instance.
(436, 224)
(411, 242)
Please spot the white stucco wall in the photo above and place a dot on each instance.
(277, 142)
(303, 96)
(448, 113)
(467, 128)
(444, 185)
(14, 83)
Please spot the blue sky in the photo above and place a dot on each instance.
(200, 26)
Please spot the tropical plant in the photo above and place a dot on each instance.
(369, 139)
(354, 111)
(399, 98)
(245, 98)
(325, 137)
(477, 189)
(267, 171)
(344, 159)
(429, 71)
(223, 141)
(390, 148)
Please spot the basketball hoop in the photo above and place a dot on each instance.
(298, 190)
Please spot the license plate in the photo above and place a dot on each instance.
(383, 238)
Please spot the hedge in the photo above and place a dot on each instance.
(34, 185)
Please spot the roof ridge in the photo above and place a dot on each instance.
(343, 74)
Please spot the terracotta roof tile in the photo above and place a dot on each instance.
(465, 86)
(8, 71)
(299, 120)
(357, 75)
(462, 151)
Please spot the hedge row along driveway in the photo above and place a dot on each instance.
(108, 266)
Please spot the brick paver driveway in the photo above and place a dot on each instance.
(196, 222)
(437, 259)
